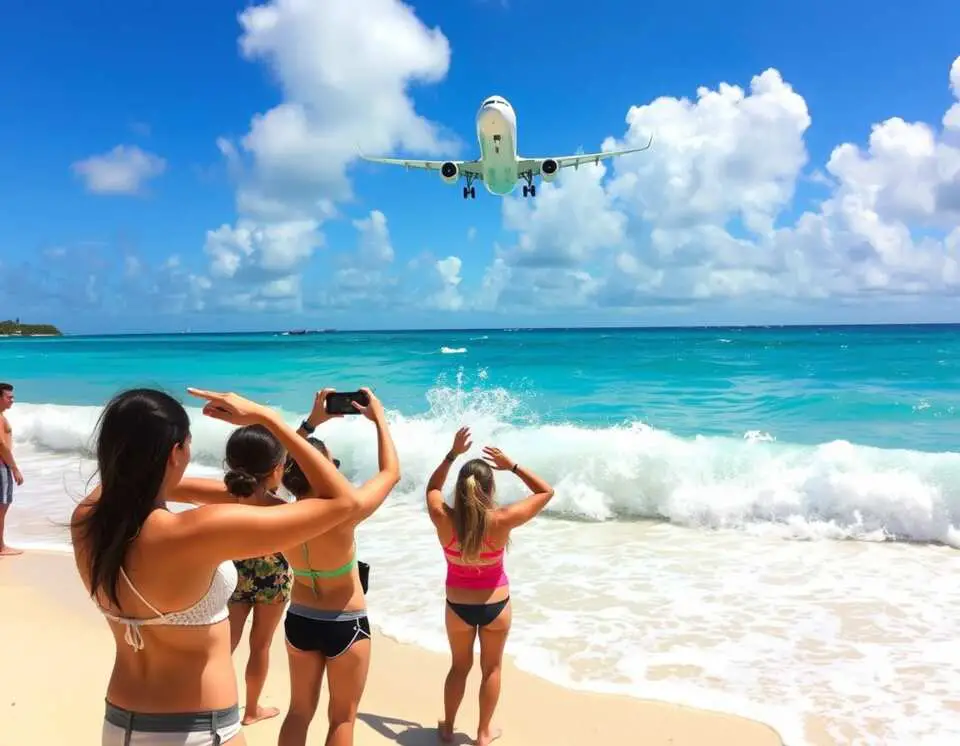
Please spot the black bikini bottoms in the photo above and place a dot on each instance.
(479, 615)
(330, 633)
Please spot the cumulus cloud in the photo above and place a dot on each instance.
(123, 170)
(951, 120)
(705, 214)
(364, 275)
(344, 70)
(101, 279)
(448, 297)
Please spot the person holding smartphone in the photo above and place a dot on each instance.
(474, 534)
(326, 625)
(163, 579)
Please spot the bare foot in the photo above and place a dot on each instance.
(10, 552)
(262, 713)
(485, 739)
(444, 731)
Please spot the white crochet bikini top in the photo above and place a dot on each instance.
(210, 609)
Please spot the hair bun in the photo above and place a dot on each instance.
(240, 482)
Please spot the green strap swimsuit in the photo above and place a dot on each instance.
(314, 574)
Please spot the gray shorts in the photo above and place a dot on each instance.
(124, 728)
(6, 485)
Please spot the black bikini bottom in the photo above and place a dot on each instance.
(330, 633)
(479, 615)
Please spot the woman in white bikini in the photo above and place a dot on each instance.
(474, 534)
(163, 579)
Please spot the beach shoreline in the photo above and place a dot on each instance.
(42, 706)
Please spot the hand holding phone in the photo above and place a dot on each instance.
(341, 402)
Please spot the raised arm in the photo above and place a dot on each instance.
(375, 490)
(435, 504)
(218, 532)
(200, 491)
(518, 513)
(318, 414)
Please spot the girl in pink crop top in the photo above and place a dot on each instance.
(478, 592)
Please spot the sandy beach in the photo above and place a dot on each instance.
(58, 654)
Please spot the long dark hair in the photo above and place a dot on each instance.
(293, 477)
(473, 497)
(136, 433)
(253, 452)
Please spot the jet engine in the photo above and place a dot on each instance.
(449, 172)
(549, 169)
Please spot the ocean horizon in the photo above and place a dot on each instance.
(756, 519)
(606, 326)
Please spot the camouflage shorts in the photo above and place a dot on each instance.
(263, 580)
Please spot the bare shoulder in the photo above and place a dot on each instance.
(6, 424)
(499, 527)
(80, 513)
(444, 525)
(86, 505)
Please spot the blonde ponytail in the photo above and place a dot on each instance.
(474, 497)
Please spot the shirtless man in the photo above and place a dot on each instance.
(9, 473)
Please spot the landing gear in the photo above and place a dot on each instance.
(529, 189)
(469, 190)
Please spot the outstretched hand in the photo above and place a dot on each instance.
(497, 458)
(230, 407)
(373, 410)
(461, 442)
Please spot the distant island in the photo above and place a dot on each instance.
(13, 328)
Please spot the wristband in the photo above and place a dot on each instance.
(515, 467)
(450, 457)
(307, 427)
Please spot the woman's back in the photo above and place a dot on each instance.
(326, 570)
(326, 574)
(171, 633)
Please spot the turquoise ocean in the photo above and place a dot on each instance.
(756, 520)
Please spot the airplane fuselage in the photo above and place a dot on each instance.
(497, 133)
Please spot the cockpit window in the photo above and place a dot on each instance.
(494, 100)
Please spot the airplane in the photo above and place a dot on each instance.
(499, 167)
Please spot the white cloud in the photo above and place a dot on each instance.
(705, 214)
(264, 248)
(564, 226)
(345, 70)
(374, 244)
(951, 120)
(364, 276)
(123, 170)
(448, 297)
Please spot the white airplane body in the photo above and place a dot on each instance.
(499, 167)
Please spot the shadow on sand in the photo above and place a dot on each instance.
(408, 732)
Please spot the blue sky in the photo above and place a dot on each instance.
(702, 229)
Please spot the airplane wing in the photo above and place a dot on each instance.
(566, 161)
(465, 167)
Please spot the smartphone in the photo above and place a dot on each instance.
(341, 402)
